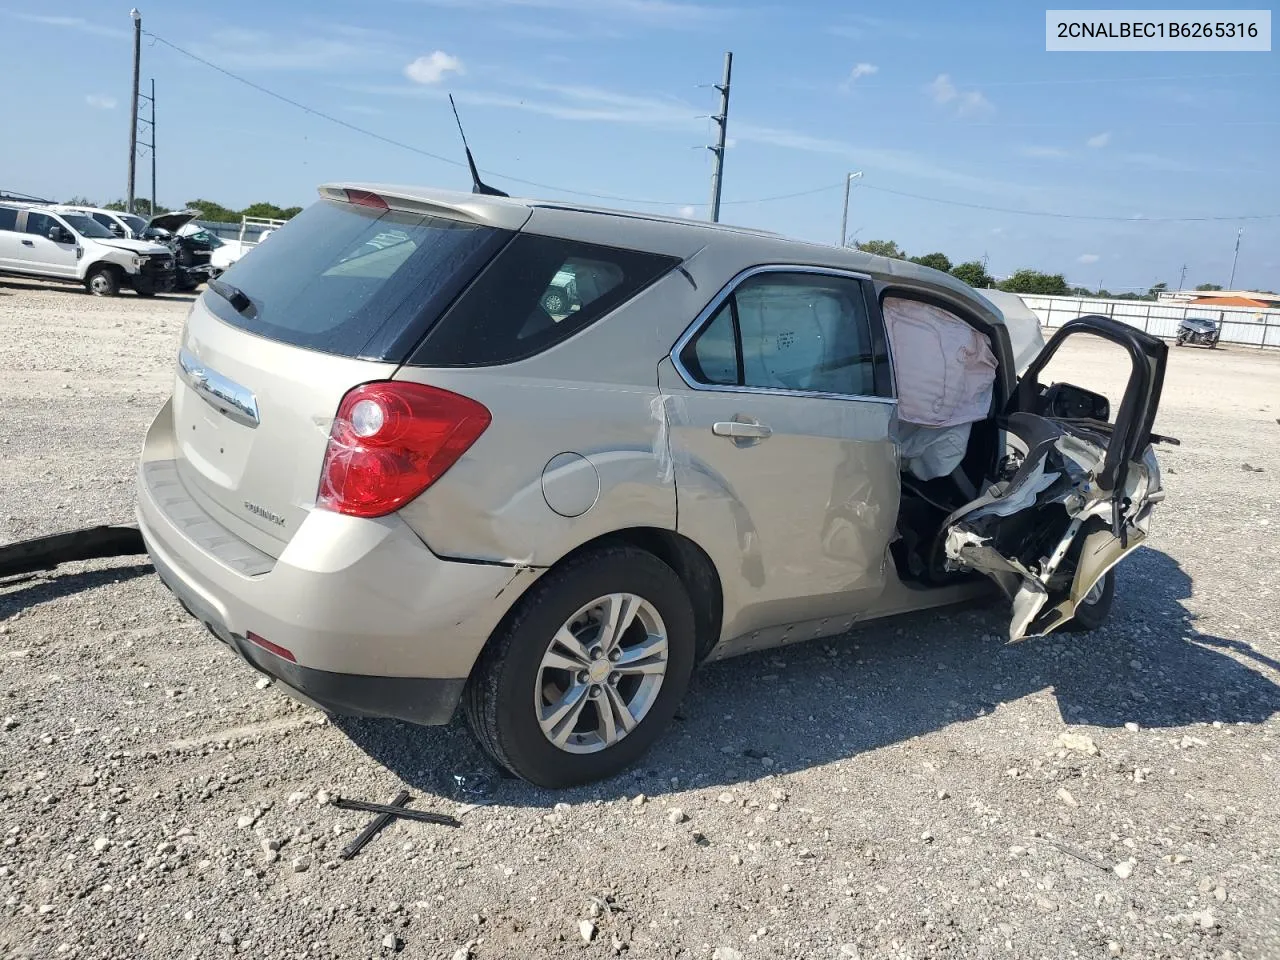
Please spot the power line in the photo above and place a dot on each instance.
(1067, 216)
(398, 143)
(670, 203)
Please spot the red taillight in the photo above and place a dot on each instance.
(366, 199)
(392, 440)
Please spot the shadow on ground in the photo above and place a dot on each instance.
(21, 592)
(824, 701)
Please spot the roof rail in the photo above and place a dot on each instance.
(22, 197)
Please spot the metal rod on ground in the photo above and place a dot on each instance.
(844, 218)
(722, 120)
(376, 824)
(133, 112)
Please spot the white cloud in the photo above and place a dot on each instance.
(1099, 141)
(686, 212)
(941, 89)
(966, 102)
(863, 70)
(654, 13)
(587, 104)
(334, 48)
(100, 101)
(432, 69)
(1088, 258)
(1043, 152)
(69, 23)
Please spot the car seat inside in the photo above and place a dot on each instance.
(945, 370)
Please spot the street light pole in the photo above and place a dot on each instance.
(1231, 284)
(133, 113)
(844, 218)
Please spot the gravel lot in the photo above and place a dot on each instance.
(901, 792)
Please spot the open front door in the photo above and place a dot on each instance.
(1076, 491)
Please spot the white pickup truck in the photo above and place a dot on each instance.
(41, 242)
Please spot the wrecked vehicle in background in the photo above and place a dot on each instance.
(192, 248)
(1201, 330)
(394, 476)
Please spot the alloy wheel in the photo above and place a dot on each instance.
(601, 673)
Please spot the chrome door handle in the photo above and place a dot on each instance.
(738, 430)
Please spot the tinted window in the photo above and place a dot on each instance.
(792, 331)
(103, 219)
(354, 280)
(39, 223)
(87, 226)
(8, 218)
(538, 292)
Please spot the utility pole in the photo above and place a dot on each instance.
(722, 120)
(133, 113)
(153, 147)
(1182, 278)
(144, 146)
(844, 218)
(1231, 284)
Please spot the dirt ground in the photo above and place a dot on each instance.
(899, 792)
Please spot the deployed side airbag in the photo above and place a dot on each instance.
(945, 368)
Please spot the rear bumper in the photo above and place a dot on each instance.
(376, 624)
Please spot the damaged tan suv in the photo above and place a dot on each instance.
(398, 476)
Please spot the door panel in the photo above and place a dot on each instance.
(43, 255)
(797, 522)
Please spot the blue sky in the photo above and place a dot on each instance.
(936, 99)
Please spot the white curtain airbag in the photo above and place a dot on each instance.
(945, 369)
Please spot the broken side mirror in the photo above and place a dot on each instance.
(1066, 401)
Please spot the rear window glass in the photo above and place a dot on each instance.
(353, 280)
(538, 292)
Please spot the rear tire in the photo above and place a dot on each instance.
(1093, 613)
(516, 691)
(102, 282)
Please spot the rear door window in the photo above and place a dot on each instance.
(8, 218)
(802, 332)
(538, 292)
(354, 281)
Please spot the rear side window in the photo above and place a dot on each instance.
(352, 280)
(538, 292)
(8, 218)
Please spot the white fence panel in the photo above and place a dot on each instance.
(1248, 326)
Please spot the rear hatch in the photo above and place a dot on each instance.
(339, 297)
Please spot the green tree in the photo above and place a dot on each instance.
(939, 261)
(141, 206)
(1035, 282)
(79, 201)
(1209, 286)
(1156, 290)
(214, 212)
(882, 248)
(973, 273)
(270, 211)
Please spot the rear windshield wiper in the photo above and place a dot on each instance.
(234, 296)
